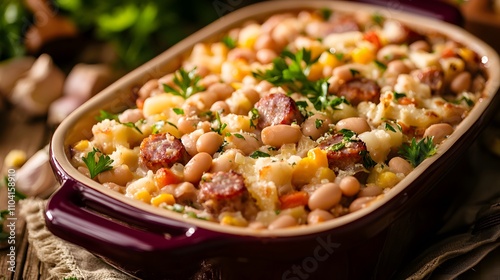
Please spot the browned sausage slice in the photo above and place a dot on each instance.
(432, 77)
(161, 150)
(358, 90)
(224, 191)
(222, 185)
(342, 154)
(277, 108)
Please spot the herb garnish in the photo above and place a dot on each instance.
(218, 125)
(368, 162)
(254, 115)
(258, 154)
(318, 123)
(186, 82)
(354, 72)
(105, 115)
(467, 100)
(178, 111)
(380, 65)
(326, 13)
(103, 163)
(229, 42)
(416, 152)
(378, 18)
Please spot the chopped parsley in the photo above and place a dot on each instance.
(398, 95)
(368, 162)
(467, 100)
(318, 123)
(354, 72)
(416, 152)
(218, 126)
(105, 115)
(178, 111)
(258, 154)
(326, 13)
(237, 135)
(254, 115)
(102, 164)
(229, 42)
(378, 18)
(186, 83)
(380, 65)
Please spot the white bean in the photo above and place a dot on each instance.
(209, 142)
(438, 132)
(278, 135)
(325, 197)
(318, 216)
(315, 126)
(356, 124)
(400, 165)
(360, 203)
(283, 221)
(196, 166)
(349, 185)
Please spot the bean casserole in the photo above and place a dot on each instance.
(296, 120)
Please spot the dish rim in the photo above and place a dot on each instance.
(59, 141)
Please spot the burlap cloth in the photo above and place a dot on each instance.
(471, 234)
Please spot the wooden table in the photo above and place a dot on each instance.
(29, 137)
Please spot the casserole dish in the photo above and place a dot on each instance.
(147, 242)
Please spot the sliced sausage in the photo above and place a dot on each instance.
(277, 108)
(161, 150)
(342, 154)
(432, 77)
(224, 191)
(358, 90)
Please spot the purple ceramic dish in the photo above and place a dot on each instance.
(149, 243)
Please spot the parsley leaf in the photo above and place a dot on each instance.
(380, 65)
(105, 115)
(368, 162)
(398, 95)
(103, 163)
(326, 13)
(258, 154)
(416, 152)
(178, 111)
(218, 125)
(229, 42)
(254, 116)
(186, 83)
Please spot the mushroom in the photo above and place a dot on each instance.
(42, 84)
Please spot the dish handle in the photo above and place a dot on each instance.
(79, 215)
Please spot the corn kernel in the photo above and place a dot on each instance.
(15, 158)
(387, 179)
(328, 59)
(466, 54)
(363, 55)
(315, 72)
(143, 195)
(234, 221)
(237, 85)
(316, 49)
(163, 198)
(324, 173)
(82, 145)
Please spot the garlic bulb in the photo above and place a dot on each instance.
(42, 84)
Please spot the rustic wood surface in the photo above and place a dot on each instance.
(29, 136)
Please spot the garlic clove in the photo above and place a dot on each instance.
(42, 84)
(86, 80)
(35, 177)
(62, 107)
(11, 71)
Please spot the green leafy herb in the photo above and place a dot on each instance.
(467, 100)
(398, 95)
(380, 65)
(318, 123)
(229, 42)
(258, 154)
(132, 125)
(338, 55)
(416, 152)
(254, 116)
(105, 115)
(389, 127)
(237, 135)
(348, 134)
(337, 146)
(102, 164)
(186, 83)
(368, 162)
(326, 13)
(178, 111)
(378, 18)
(354, 72)
(218, 125)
